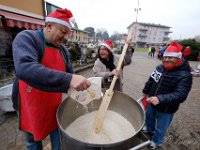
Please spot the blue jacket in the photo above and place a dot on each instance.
(28, 47)
(170, 86)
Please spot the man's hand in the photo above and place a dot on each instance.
(79, 82)
(154, 100)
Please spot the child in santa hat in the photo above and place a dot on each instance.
(167, 87)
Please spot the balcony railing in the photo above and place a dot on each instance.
(167, 32)
(166, 39)
(143, 29)
(142, 35)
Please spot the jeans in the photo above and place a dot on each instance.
(157, 122)
(37, 145)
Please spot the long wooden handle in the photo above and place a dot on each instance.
(109, 93)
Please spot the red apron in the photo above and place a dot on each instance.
(38, 108)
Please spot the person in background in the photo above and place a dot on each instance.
(78, 52)
(106, 63)
(159, 53)
(43, 73)
(162, 50)
(152, 51)
(149, 51)
(166, 88)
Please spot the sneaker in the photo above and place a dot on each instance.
(144, 128)
(148, 134)
(154, 146)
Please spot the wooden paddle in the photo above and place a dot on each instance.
(109, 93)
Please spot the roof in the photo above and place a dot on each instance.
(149, 24)
(79, 30)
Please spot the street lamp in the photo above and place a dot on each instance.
(137, 10)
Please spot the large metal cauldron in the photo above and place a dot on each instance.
(120, 103)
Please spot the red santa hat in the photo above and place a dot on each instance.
(61, 16)
(173, 50)
(108, 44)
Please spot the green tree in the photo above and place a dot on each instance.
(115, 36)
(195, 48)
(90, 30)
(197, 38)
(105, 35)
(99, 35)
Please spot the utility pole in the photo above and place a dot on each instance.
(137, 10)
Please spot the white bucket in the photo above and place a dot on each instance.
(92, 93)
(5, 98)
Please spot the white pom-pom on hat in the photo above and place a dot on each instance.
(72, 20)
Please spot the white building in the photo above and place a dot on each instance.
(147, 34)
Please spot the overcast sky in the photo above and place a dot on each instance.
(183, 16)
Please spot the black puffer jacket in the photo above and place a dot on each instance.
(170, 86)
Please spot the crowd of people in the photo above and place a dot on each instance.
(159, 51)
(44, 72)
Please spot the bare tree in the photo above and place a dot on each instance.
(197, 38)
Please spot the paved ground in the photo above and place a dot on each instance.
(184, 132)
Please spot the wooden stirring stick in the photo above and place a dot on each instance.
(109, 93)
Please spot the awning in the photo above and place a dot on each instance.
(17, 20)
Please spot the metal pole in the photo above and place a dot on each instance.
(137, 10)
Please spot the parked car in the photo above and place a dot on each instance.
(90, 45)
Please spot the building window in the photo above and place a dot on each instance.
(50, 7)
